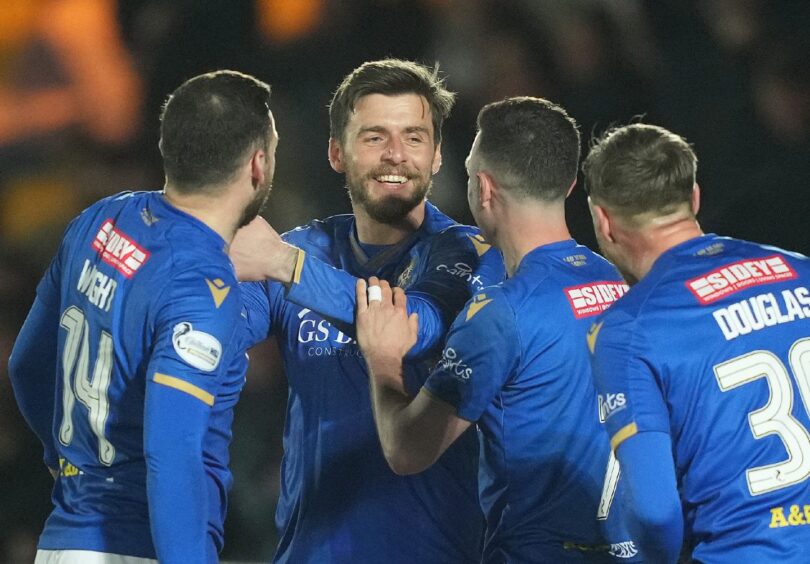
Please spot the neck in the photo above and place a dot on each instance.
(649, 242)
(526, 225)
(373, 232)
(218, 212)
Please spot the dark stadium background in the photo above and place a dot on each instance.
(82, 81)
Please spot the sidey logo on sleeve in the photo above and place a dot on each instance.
(200, 350)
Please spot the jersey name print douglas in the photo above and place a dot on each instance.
(732, 391)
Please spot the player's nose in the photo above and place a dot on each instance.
(394, 152)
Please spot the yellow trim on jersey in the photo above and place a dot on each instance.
(219, 291)
(183, 386)
(299, 267)
(593, 333)
(480, 244)
(623, 434)
(478, 303)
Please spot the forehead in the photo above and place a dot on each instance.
(397, 111)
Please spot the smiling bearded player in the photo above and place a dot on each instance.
(340, 502)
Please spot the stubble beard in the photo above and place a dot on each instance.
(390, 208)
(255, 207)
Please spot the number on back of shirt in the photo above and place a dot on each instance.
(91, 392)
(776, 417)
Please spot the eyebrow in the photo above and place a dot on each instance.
(371, 129)
(381, 129)
(417, 129)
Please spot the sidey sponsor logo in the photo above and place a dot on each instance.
(738, 275)
(118, 250)
(594, 298)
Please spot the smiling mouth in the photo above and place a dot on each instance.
(392, 179)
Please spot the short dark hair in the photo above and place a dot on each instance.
(640, 168)
(209, 124)
(530, 145)
(390, 77)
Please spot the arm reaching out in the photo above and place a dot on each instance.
(259, 253)
(413, 433)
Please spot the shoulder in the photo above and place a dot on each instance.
(320, 232)
(489, 305)
(209, 290)
(108, 206)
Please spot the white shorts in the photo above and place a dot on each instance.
(87, 557)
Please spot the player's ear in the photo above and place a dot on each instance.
(486, 188)
(601, 221)
(257, 168)
(336, 155)
(437, 158)
(695, 199)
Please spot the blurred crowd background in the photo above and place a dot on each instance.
(82, 82)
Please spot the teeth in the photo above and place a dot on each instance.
(393, 179)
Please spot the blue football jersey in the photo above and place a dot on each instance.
(515, 362)
(339, 501)
(713, 348)
(143, 294)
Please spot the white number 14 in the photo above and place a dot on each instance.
(92, 393)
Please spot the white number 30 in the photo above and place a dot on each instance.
(776, 417)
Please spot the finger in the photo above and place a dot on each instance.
(360, 293)
(413, 323)
(400, 300)
(387, 297)
(374, 292)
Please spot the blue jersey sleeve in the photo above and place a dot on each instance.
(32, 370)
(198, 330)
(651, 503)
(481, 353)
(32, 365)
(631, 399)
(255, 297)
(458, 265)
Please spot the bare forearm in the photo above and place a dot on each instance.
(279, 268)
(403, 445)
(258, 253)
